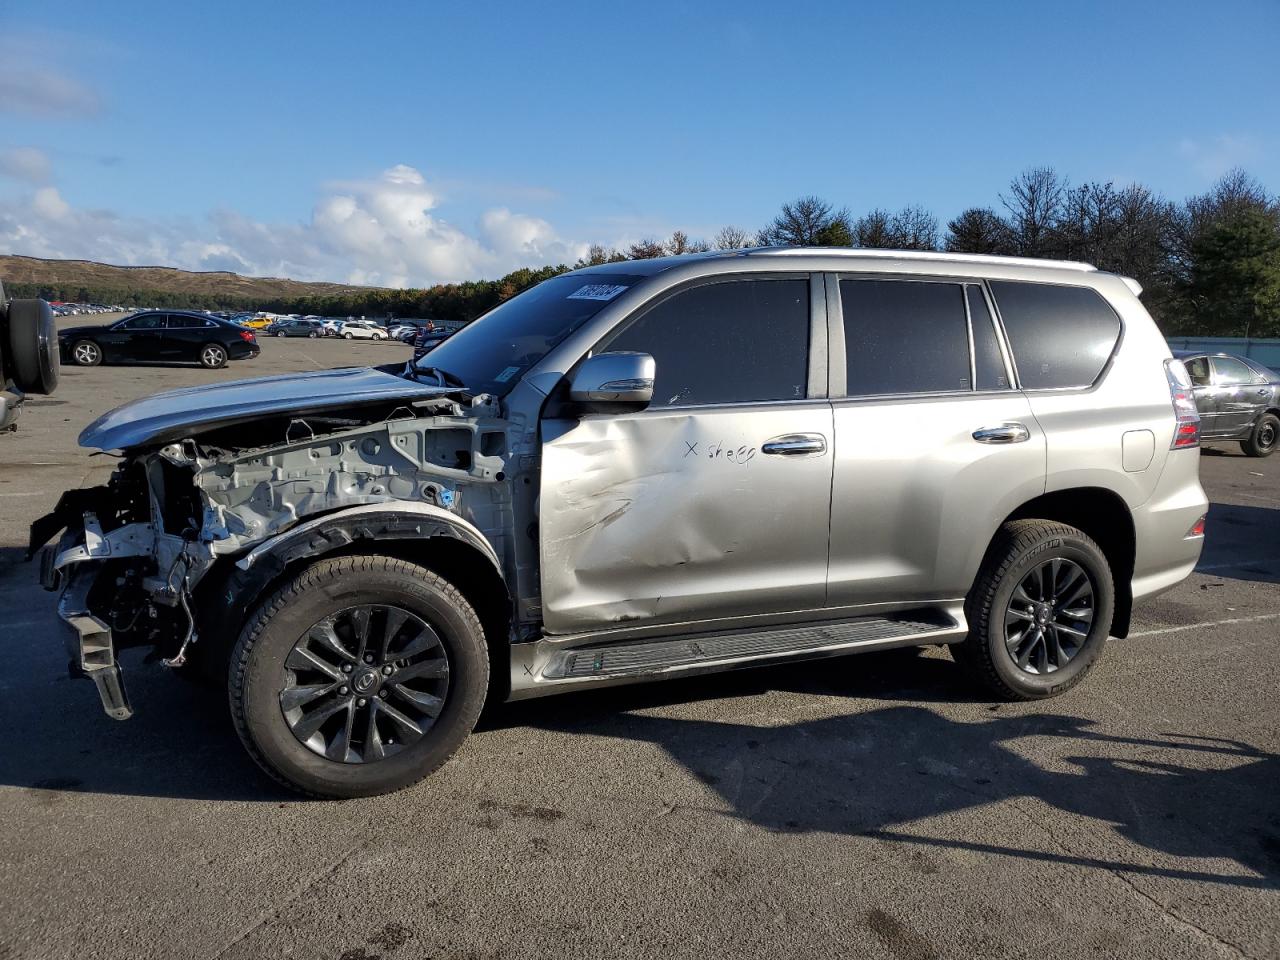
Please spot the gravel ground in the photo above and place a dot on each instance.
(875, 806)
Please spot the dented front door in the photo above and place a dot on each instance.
(667, 516)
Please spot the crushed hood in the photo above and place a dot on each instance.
(164, 417)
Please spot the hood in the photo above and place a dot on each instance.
(67, 333)
(165, 417)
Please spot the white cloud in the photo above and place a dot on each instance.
(25, 163)
(40, 91)
(1212, 158)
(382, 231)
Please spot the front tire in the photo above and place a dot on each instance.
(1039, 611)
(360, 676)
(1262, 441)
(86, 353)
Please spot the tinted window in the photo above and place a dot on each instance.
(1231, 371)
(904, 336)
(1060, 336)
(148, 321)
(731, 342)
(179, 322)
(1198, 370)
(988, 363)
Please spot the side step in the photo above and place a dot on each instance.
(722, 650)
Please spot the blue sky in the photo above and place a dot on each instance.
(413, 142)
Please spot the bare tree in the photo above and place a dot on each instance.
(678, 244)
(731, 238)
(911, 228)
(979, 230)
(808, 221)
(914, 228)
(872, 230)
(646, 249)
(1034, 204)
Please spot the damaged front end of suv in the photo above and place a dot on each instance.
(219, 490)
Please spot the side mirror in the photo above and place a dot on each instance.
(614, 378)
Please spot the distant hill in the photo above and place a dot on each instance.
(85, 280)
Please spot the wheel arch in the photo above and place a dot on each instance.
(1105, 517)
(228, 595)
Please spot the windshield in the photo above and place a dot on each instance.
(490, 354)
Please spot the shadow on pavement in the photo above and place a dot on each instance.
(1241, 543)
(874, 772)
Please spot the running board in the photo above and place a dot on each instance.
(544, 664)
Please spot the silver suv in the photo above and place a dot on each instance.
(645, 470)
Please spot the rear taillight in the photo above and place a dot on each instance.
(1186, 432)
(1197, 529)
(247, 336)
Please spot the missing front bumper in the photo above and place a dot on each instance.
(89, 644)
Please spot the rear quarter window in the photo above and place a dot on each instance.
(1061, 336)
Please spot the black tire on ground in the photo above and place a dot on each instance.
(1265, 437)
(86, 353)
(311, 335)
(1021, 547)
(258, 673)
(213, 356)
(33, 346)
(348, 336)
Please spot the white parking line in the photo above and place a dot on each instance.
(1205, 625)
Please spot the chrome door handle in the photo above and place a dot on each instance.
(795, 444)
(1003, 433)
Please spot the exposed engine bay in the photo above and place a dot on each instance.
(135, 550)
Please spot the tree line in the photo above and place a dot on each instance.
(1209, 265)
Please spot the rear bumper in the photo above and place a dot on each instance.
(1165, 554)
(243, 351)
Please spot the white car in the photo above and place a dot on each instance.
(402, 330)
(362, 330)
(331, 328)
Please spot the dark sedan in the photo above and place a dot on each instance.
(1238, 399)
(295, 328)
(159, 336)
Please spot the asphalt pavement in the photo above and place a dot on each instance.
(874, 806)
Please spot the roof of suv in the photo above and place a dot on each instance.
(658, 264)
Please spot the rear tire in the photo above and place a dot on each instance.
(213, 356)
(1264, 438)
(1073, 631)
(348, 336)
(342, 758)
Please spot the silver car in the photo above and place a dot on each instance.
(1238, 400)
(645, 470)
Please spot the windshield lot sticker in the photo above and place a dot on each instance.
(596, 291)
(506, 374)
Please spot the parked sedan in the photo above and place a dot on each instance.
(158, 336)
(1238, 399)
(295, 328)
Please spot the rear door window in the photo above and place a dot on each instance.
(735, 341)
(1061, 336)
(904, 336)
(1230, 372)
